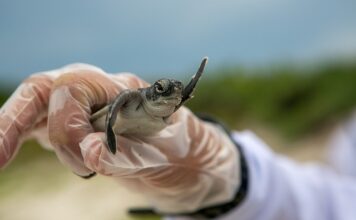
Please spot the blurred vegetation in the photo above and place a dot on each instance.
(4, 94)
(293, 101)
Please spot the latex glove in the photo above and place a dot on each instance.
(76, 90)
(188, 165)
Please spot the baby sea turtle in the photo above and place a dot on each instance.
(144, 111)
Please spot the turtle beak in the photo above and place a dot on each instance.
(189, 89)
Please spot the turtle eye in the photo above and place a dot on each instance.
(159, 87)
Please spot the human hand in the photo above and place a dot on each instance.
(188, 165)
(75, 91)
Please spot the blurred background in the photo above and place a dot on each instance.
(285, 69)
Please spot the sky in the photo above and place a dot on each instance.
(168, 38)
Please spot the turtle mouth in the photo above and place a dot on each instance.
(173, 101)
(173, 98)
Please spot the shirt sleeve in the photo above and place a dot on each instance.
(280, 188)
(341, 152)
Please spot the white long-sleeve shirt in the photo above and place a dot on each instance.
(281, 189)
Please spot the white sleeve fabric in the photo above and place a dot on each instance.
(342, 148)
(281, 189)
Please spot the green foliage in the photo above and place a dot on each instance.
(295, 101)
(3, 96)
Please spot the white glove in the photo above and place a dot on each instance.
(188, 165)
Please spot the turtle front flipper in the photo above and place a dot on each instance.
(123, 98)
(189, 89)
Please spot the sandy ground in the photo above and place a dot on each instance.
(36, 193)
(44, 189)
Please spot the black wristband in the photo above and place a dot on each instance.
(89, 176)
(217, 210)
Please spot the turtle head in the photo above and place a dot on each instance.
(163, 97)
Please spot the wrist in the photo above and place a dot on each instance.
(228, 202)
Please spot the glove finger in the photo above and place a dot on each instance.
(40, 133)
(26, 107)
(75, 96)
(133, 157)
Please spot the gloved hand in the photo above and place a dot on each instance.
(188, 165)
(75, 91)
